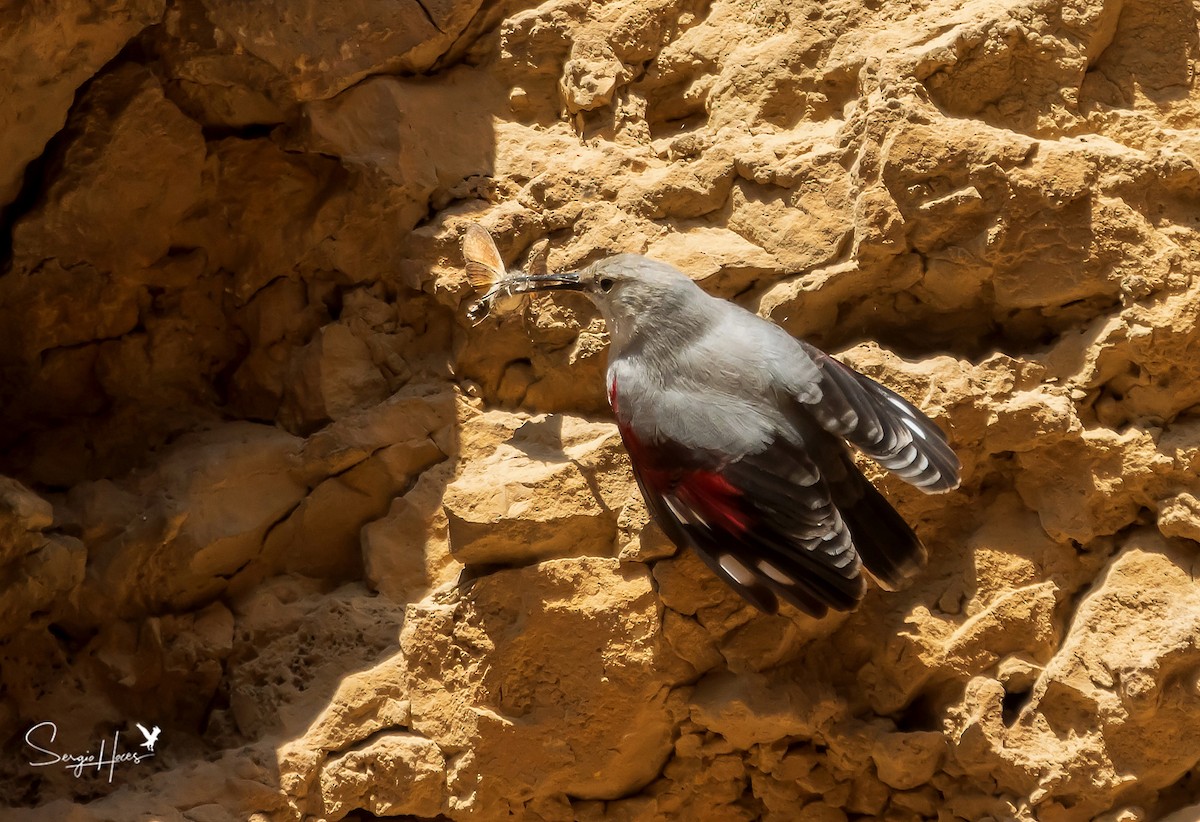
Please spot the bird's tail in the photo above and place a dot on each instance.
(888, 548)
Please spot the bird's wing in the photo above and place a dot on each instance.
(882, 424)
(762, 519)
(142, 728)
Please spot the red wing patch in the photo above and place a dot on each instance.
(713, 497)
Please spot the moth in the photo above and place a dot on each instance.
(485, 270)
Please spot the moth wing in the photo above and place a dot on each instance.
(485, 267)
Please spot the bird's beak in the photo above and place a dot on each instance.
(568, 281)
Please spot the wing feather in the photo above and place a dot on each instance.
(765, 523)
(883, 425)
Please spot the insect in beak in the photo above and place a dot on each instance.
(485, 270)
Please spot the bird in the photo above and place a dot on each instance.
(151, 736)
(740, 437)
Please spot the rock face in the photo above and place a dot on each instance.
(266, 488)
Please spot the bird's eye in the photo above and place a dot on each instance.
(607, 283)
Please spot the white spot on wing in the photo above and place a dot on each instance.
(916, 428)
(736, 569)
(774, 573)
(930, 480)
(900, 404)
(915, 468)
(682, 512)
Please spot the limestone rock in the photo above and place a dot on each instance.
(38, 583)
(124, 115)
(323, 51)
(25, 516)
(288, 619)
(212, 78)
(1118, 691)
(605, 724)
(396, 773)
(48, 52)
(559, 496)
(423, 135)
(269, 489)
(748, 710)
(331, 376)
(406, 552)
(211, 502)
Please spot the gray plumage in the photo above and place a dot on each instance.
(738, 436)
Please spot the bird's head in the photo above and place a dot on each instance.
(630, 290)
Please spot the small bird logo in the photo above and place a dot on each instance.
(151, 736)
